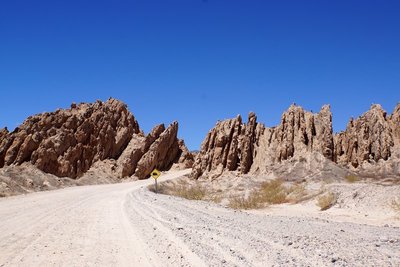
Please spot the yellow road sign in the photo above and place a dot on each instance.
(155, 173)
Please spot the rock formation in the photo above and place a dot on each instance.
(368, 138)
(234, 146)
(66, 143)
(160, 149)
(186, 158)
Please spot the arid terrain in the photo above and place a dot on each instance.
(125, 224)
(296, 194)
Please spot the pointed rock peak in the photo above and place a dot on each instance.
(4, 130)
(294, 108)
(172, 128)
(174, 124)
(157, 130)
(252, 119)
(252, 115)
(111, 100)
(397, 109)
(375, 109)
(325, 108)
(376, 106)
(115, 103)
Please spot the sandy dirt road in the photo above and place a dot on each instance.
(126, 225)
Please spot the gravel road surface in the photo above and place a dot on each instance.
(127, 225)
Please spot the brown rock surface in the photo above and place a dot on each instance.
(301, 131)
(394, 122)
(161, 153)
(159, 149)
(186, 158)
(3, 138)
(368, 138)
(220, 149)
(67, 143)
(232, 145)
(254, 148)
(135, 150)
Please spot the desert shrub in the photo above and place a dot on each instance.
(194, 192)
(297, 193)
(273, 192)
(326, 201)
(216, 198)
(182, 189)
(395, 204)
(270, 192)
(352, 178)
(253, 201)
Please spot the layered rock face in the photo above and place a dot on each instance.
(252, 147)
(68, 142)
(159, 149)
(368, 138)
(232, 145)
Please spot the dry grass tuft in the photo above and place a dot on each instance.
(273, 192)
(214, 197)
(326, 201)
(270, 192)
(297, 193)
(246, 203)
(395, 204)
(183, 189)
(352, 178)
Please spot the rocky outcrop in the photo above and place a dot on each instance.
(66, 143)
(234, 146)
(160, 149)
(3, 135)
(220, 149)
(394, 122)
(135, 150)
(301, 131)
(253, 148)
(186, 158)
(162, 153)
(371, 137)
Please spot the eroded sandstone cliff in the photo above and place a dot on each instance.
(253, 148)
(67, 143)
(369, 138)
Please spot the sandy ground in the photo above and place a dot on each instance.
(127, 225)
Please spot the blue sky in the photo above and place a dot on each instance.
(199, 61)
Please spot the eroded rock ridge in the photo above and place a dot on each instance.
(67, 142)
(254, 148)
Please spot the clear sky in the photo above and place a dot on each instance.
(199, 61)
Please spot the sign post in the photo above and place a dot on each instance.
(155, 174)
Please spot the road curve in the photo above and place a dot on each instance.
(126, 225)
(76, 226)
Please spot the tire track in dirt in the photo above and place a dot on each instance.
(127, 225)
(224, 237)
